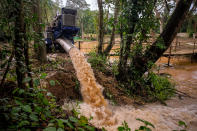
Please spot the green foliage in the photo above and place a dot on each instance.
(145, 128)
(87, 18)
(97, 61)
(77, 84)
(114, 67)
(35, 108)
(159, 88)
(124, 127)
(150, 87)
(183, 125)
(29, 109)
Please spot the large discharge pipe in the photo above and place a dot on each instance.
(66, 44)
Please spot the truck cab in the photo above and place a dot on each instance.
(63, 26)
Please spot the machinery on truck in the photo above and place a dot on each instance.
(63, 28)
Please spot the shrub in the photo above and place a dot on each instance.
(150, 88)
(36, 109)
(97, 61)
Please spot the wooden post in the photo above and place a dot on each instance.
(194, 47)
(176, 43)
(192, 57)
(169, 57)
(79, 45)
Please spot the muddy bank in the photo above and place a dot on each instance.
(68, 87)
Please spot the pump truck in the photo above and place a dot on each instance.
(60, 34)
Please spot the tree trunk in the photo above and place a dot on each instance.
(161, 25)
(19, 43)
(26, 54)
(165, 39)
(177, 1)
(112, 39)
(82, 28)
(125, 51)
(40, 48)
(126, 46)
(101, 27)
(107, 19)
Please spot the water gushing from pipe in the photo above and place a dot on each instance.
(90, 89)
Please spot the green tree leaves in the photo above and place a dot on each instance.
(27, 108)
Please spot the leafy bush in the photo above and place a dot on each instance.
(160, 87)
(146, 126)
(34, 109)
(114, 68)
(150, 87)
(29, 109)
(183, 125)
(124, 127)
(97, 61)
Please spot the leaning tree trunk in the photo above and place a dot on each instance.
(40, 47)
(165, 39)
(19, 43)
(101, 27)
(112, 39)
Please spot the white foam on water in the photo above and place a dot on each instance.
(162, 117)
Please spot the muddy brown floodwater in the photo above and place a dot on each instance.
(91, 90)
(164, 118)
(183, 72)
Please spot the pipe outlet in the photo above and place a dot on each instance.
(66, 44)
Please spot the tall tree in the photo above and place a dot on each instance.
(112, 38)
(16, 19)
(40, 47)
(101, 27)
(131, 23)
(134, 65)
(19, 42)
(151, 55)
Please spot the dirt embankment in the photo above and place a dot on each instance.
(68, 87)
